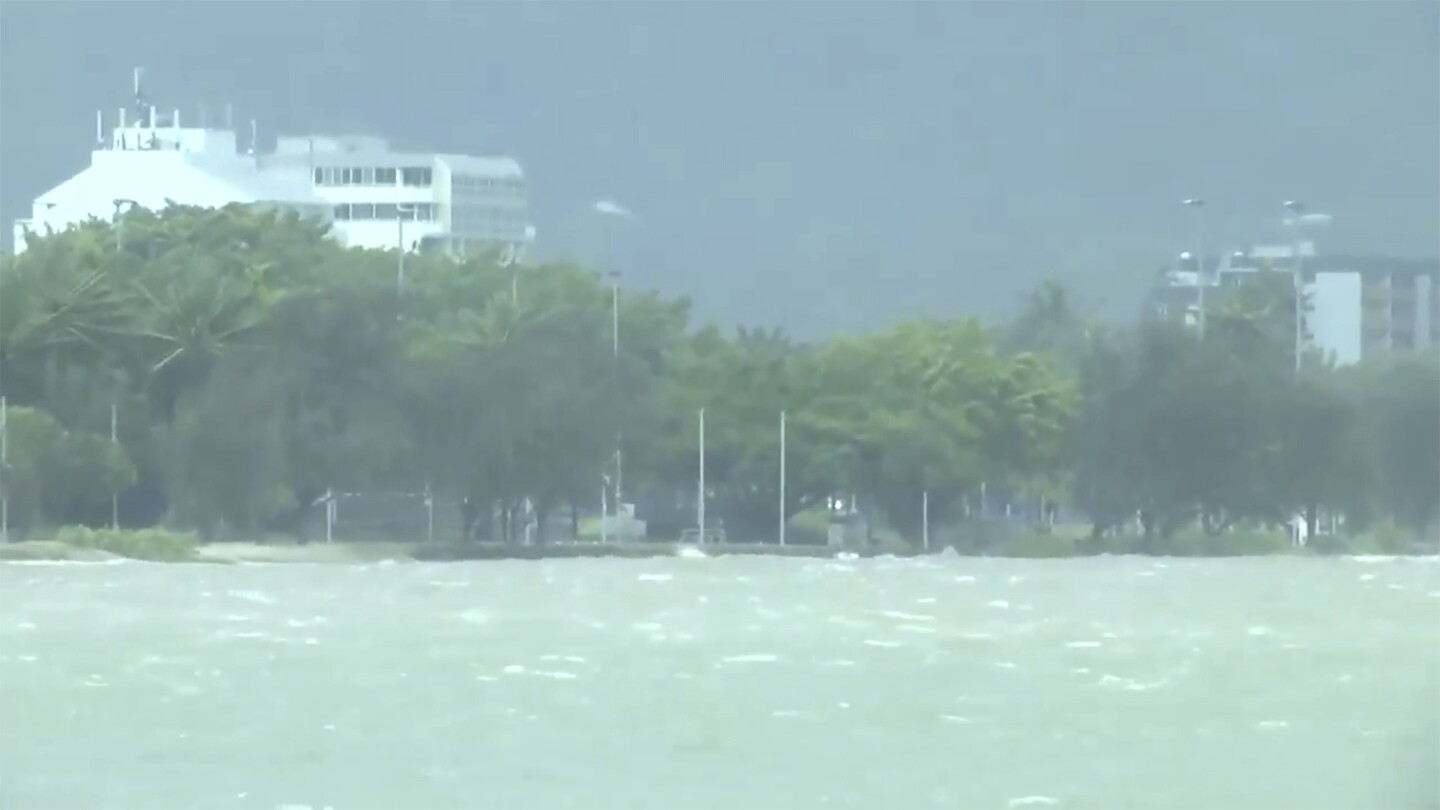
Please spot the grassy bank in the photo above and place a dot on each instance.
(83, 544)
(51, 551)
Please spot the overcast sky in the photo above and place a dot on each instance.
(821, 165)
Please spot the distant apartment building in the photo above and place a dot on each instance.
(370, 195)
(1355, 307)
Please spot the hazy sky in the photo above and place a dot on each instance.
(826, 165)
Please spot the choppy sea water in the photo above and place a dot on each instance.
(737, 682)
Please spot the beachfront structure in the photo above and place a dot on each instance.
(372, 196)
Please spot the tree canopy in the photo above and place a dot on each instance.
(256, 364)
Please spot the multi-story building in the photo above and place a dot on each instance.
(1355, 308)
(1399, 308)
(383, 198)
(371, 196)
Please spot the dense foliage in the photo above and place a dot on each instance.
(254, 365)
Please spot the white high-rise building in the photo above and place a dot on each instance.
(372, 197)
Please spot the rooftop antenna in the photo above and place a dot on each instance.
(100, 129)
(139, 97)
(254, 136)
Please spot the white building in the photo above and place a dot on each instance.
(372, 197)
(1356, 308)
(380, 198)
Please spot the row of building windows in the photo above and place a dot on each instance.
(415, 176)
(488, 186)
(386, 211)
(486, 219)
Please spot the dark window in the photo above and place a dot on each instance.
(342, 212)
(384, 177)
(362, 210)
(319, 176)
(385, 211)
(417, 176)
(406, 212)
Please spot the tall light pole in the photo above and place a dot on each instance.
(513, 256)
(925, 519)
(4, 471)
(1297, 220)
(400, 210)
(614, 369)
(700, 486)
(1198, 205)
(782, 478)
(613, 210)
(118, 220)
(615, 313)
(114, 440)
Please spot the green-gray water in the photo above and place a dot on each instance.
(726, 683)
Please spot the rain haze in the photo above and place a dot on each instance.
(860, 162)
(729, 405)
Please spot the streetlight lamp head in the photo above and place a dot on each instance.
(612, 208)
(1193, 202)
(1294, 206)
(1308, 220)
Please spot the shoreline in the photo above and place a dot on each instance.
(359, 553)
(368, 553)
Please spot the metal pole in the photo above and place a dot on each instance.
(604, 510)
(925, 519)
(429, 514)
(400, 246)
(1299, 305)
(4, 471)
(782, 478)
(329, 515)
(119, 221)
(615, 318)
(115, 440)
(1199, 248)
(700, 493)
(1297, 212)
(615, 361)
